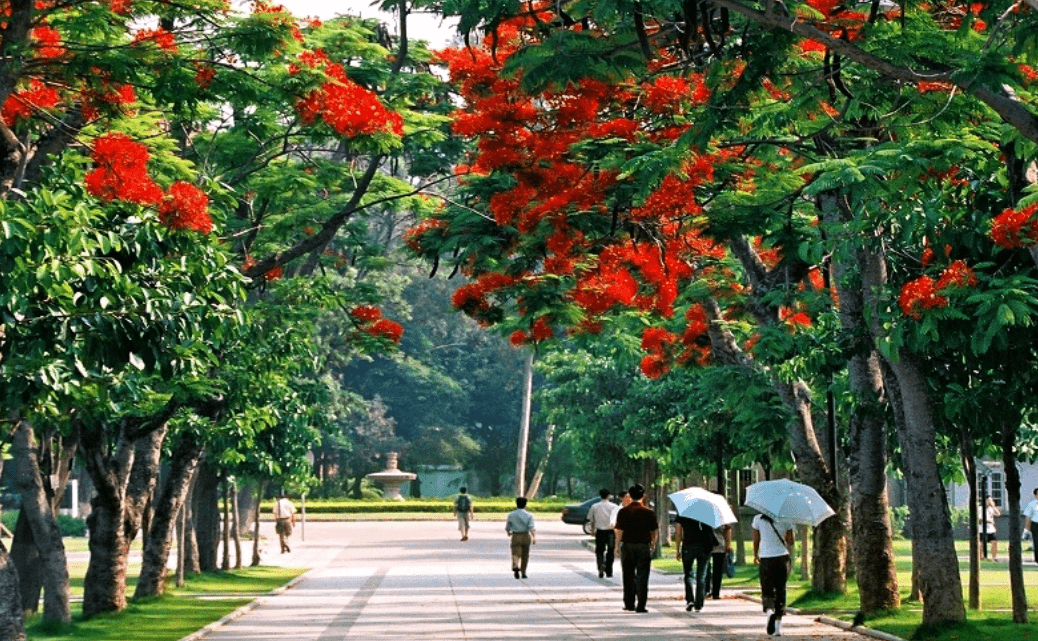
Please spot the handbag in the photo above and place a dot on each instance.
(729, 564)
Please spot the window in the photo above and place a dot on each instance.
(995, 491)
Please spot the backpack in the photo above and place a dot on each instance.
(463, 503)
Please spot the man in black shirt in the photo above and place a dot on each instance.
(636, 536)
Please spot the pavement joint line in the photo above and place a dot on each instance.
(340, 627)
(457, 604)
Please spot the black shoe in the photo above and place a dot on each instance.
(641, 611)
(524, 575)
(516, 573)
(688, 607)
(601, 573)
(771, 624)
(627, 609)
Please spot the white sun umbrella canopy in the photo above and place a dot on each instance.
(701, 505)
(789, 501)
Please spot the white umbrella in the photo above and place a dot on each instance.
(789, 501)
(700, 505)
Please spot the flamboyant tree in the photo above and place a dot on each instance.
(171, 123)
(655, 159)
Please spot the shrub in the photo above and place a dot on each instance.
(69, 525)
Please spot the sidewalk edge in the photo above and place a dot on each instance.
(215, 625)
(876, 634)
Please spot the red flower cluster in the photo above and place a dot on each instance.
(122, 174)
(385, 328)
(1015, 229)
(185, 206)
(163, 39)
(122, 171)
(21, 105)
(366, 313)
(204, 75)
(48, 42)
(473, 298)
(923, 293)
(121, 95)
(348, 108)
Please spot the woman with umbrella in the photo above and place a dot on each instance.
(782, 503)
(771, 539)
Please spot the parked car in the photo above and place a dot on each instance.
(577, 514)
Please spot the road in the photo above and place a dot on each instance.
(391, 581)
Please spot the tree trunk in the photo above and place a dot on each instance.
(207, 516)
(12, 624)
(969, 465)
(873, 548)
(168, 507)
(933, 546)
(235, 528)
(225, 530)
(1012, 483)
(190, 550)
(538, 475)
(26, 559)
(140, 487)
(38, 508)
(256, 525)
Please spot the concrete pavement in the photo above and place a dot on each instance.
(390, 581)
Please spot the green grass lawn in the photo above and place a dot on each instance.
(993, 622)
(202, 600)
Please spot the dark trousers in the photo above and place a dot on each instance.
(774, 572)
(605, 540)
(718, 563)
(1034, 539)
(636, 561)
(695, 585)
(520, 549)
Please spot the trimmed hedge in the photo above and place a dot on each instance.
(439, 505)
(69, 526)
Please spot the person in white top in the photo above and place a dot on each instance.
(988, 530)
(602, 517)
(284, 520)
(772, 541)
(1031, 522)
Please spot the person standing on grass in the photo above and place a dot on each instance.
(463, 511)
(601, 518)
(988, 529)
(636, 536)
(521, 528)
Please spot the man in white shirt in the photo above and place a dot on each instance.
(284, 520)
(601, 517)
(1031, 522)
(522, 529)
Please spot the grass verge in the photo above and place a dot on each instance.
(181, 611)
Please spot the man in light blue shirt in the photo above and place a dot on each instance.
(523, 531)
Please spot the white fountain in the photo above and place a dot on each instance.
(392, 478)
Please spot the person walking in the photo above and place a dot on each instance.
(601, 518)
(719, 558)
(521, 528)
(284, 520)
(988, 530)
(636, 536)
(693, 541)
(770, 552)
(463, 512)
(1031, 522)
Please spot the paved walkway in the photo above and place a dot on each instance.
(396, 581)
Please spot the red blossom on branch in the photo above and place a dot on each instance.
(122, 171)
(185, 206)
(1015, 229)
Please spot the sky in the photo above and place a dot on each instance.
(420, 26)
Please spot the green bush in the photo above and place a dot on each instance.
(423, 505)
(69, 526)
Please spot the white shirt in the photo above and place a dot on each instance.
(1031, 511)
(283, 509)
(602, 515)
(771, 544)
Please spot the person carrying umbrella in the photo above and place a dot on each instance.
(693, 541)
(771, 539)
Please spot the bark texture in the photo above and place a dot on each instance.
(12, 623)
(168, 506)
(1012, 483)
(933, 547)
(207, 517)
(38, 509)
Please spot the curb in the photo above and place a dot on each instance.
(876, 634)
(836, 623)
(212, 627)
